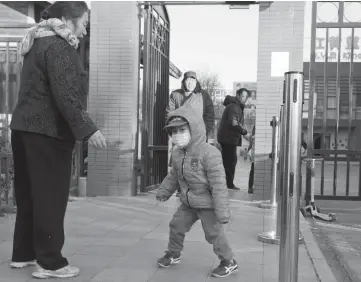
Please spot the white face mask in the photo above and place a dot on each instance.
(181, 139)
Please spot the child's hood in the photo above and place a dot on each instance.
(195, 121)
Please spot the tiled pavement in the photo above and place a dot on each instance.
(120, 240)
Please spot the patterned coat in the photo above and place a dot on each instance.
(53, 92)
(198, 168)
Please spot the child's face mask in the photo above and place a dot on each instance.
(181, 136)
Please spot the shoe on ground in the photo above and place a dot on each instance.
(22, 264)
(250, 191)
(178, 194)
(234, 188)
(65, 272)
(169, 259)
(225, 269)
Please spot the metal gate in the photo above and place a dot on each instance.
(10, 75)
(10, 72)
(334, 128)
(155, 95)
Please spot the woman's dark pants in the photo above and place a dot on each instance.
(42, 168)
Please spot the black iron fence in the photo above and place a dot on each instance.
(333, 80)
(338, 175)
(154, 143)
(7, 199)
(10, 73)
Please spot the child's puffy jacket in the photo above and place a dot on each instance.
(199, 170)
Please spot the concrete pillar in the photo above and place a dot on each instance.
(113, 82)
(280, 30)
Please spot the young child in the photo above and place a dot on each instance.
(251, 139)
(198, 169)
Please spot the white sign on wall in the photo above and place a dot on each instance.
(280, 63)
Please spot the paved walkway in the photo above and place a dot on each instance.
(120, 240)
(340, 240)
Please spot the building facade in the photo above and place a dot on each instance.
(338, 35)
(322, 40)
(281, 30)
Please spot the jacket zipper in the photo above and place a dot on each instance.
(185, 154)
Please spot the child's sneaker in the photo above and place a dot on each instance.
(225, 269)
(169, 259)
(22, 264)
(65, 272)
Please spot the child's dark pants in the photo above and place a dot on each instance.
(251, 177)
(182, 222)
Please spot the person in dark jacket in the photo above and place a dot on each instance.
(49, 116)
(230, 132)
(197, 169)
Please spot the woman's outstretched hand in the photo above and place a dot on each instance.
(97, 140)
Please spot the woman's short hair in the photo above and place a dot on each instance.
(70, 10)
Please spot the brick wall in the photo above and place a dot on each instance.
(113, 84)
(280, 30)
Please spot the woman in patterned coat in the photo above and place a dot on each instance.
(49, 117)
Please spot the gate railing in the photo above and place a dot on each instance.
(334, 78)
(10, 73)
(341, 181)
(7, 199)
(154, 149)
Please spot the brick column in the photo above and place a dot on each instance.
(113, 88)
(280, 30)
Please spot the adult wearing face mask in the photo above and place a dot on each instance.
(49, 116)
(192, 95)
(230, 132)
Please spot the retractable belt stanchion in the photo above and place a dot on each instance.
(273, 236)
(272, 203)
(290, 177)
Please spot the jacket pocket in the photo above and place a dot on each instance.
(199, 189)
